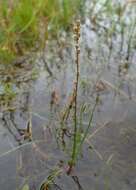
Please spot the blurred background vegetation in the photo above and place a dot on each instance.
(26, 25)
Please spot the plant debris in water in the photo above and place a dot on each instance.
(67, 118)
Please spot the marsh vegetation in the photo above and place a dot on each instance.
(67, 95)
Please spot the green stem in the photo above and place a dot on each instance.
(75, 110)
(87, 129)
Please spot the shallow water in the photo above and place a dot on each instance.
(108, 161)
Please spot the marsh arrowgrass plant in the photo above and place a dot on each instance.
(79, 136)
(77, 38)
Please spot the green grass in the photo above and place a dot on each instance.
(25, 25)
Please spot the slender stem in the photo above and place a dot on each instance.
(75, 110)
(74, 148)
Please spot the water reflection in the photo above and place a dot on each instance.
(108, 70)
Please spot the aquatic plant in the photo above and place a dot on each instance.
(76, 38)
(114, 25)
(79, 134)
(25, 187)
(50, 182)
